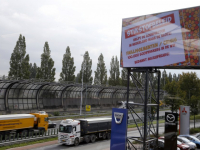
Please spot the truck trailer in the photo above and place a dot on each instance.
(84, 130)
(23, 124)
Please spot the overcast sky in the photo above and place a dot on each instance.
(83, 25)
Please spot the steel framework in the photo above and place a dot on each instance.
(149, 103)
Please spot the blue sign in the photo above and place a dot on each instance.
(119, 129)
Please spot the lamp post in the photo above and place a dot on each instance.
(83, 68)
(193, 109)
(81, 90)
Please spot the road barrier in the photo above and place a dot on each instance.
(30, 136)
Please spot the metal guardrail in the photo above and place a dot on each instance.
(17, 138)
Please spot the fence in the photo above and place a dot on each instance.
(31, 136)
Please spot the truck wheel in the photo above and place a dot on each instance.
(93, 138)
(87, 139)
(104, 135)
(76, 142)
(108, 135)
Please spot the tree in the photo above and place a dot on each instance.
(163, 79)
(114, 72)
(170, 77)
(46, 70)
(173, 102)
(124, 77)
(86, 69)
(68, 67)
(189, 86)
(19, 61)
(172, 99)
(189, 90)
(77, 78)
(33, 70)
(101, 72)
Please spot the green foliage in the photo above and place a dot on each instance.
(46, 70)
(86, 69)
(163, 78)
(189, 90)
(174, 102)
(114, 72)
(68, 67)
(189, 86)
(19, 61)
(124, 77)
(56, 113)
(172, 99)
(33, 70)
(194, 130)
(101, 72)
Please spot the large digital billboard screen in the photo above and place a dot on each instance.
(164, 40)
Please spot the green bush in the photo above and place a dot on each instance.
(50, 115)
(194, 130)
(56, 113)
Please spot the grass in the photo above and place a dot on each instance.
(82, 116)
(196, 117)
(28, 143)
(141, 124)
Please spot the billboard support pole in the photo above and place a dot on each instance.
(127, 100)
(158, 97)
(148, 100)
(145, 108)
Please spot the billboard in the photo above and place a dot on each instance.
(163, 40)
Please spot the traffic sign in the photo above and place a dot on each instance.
(88, 107)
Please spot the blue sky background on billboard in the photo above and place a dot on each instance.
(89, 25)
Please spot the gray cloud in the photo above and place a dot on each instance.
(88, 25)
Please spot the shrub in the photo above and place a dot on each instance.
(56, 113)
(194, 130)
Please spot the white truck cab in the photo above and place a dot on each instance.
(73, 132)
(69, 132)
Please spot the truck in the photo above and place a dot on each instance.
(23, 124)
(72, 132)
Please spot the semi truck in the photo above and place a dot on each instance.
(23, 124)
(72, 132)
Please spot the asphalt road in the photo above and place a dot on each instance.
(161, 113)
(99, 144)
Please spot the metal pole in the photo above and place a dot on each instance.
(81, 93)
(86, 95)
(145, 109)
(128, 78)
(158, 97)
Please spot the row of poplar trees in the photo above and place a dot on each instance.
(21, 68)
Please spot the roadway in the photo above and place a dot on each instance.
(99, 144)
(161, 113)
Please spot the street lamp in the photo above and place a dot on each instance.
(193, 109)
(82, 89)
(83, 68)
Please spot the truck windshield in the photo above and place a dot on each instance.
(65, 129)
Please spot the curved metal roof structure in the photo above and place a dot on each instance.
(28, 94)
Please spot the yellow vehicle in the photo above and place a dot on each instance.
(23, 123)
